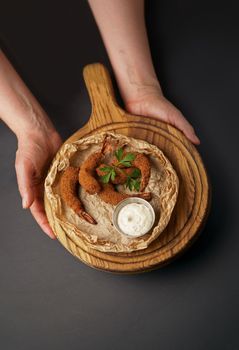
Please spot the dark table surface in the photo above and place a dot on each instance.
(49, 300)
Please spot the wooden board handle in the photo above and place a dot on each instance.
(105, 109)
(97, 79)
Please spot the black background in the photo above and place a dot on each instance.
(49, 300)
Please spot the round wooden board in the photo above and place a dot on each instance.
(193, 201)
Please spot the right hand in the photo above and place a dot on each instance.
(150, 102)
(34, 154)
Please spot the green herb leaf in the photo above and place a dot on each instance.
(126, 164)
(113, 174)
(106, 178)
(137, 185)
(128, 183)
(128, 158)
(132, 184)
(106, 168)
(135, 173)
(119, 154)
(110, 174)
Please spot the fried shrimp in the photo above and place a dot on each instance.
(88, 170)
(141, 162)
(87, 173)
(121, 174)
(111, 196)
(68, 189)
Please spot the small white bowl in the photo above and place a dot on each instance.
(123, 203)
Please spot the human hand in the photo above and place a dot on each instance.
(38, 140)
(150, 102)
(130, 56)
(35, 152)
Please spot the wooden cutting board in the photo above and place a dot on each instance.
(193, 202)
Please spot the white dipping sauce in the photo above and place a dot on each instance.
(135, 219)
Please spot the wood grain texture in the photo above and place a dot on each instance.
(193, 202)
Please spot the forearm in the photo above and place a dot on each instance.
(18, 107)
(122, 26)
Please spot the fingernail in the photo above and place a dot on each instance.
(24, 203)
(49, 232)
(197, 140)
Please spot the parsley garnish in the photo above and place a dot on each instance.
(132, 180)
(110, 174)
(126, 160)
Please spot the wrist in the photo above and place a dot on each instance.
(42, 134)
(47, 137)
(137, 92)
(33, 122)
(43, 145)
(136, 82)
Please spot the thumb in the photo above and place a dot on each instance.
(25, 171)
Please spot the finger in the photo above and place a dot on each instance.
(24, 171)
(181, 123)
(38, 212)
(165, 111)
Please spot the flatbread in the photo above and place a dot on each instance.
(163, 184)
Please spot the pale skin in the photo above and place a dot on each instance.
(122, 26)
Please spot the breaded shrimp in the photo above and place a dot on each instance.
(111, 196)
(68, 189)
(87, 173)
(121, 174)
(88, 170)
(141, 162)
